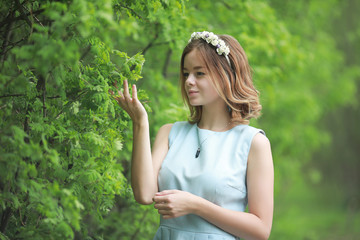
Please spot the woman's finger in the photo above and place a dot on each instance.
(120, 101)
(160, 199)
(166, 192)
(115, 84)
(164, 212)
(117, 98)
(121, 94)
(134, 92)
(161, 206)
(126, 89)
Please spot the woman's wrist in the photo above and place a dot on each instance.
(141, 122)
(196, 205)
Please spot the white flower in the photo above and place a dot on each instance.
(212, 39)
(212, 35)
(227, 51)
(222, 43)
(214, 42)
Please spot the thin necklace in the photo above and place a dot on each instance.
(199, 148)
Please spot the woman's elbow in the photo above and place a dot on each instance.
(260, 234)
(143, 200)
(265, 234)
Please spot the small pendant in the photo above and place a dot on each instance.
(197, 153)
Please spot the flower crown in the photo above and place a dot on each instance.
(214, 40)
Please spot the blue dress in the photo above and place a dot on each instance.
(218, 175)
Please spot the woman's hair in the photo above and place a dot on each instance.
(233, 83)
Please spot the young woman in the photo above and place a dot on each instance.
(201, 174)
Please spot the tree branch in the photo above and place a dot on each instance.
(151, 42)
(44, 97)
(57, 96)
(5, 217)
(22, 95)
(21, 17)
(7, 36)
(21, 219)
(12, 45)
(33, 16)
(149, 45)
(12, 95)
(131, 10)
(21, 10)
(226, 5)
(167, 62)
(68, 103)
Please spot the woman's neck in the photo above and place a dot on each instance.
(215, 119)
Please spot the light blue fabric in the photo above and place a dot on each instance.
(218, 175)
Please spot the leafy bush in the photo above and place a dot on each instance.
(65, 143)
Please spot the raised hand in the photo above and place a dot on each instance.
(131, 105)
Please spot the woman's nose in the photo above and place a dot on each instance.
(190, 80)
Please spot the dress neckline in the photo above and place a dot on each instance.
(208, 130)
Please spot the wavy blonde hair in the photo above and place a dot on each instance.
(233, 83)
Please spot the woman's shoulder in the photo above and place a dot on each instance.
(164, 130)
(245, 128)
(250, 135)
(166, 127)
(171, 127)
(177, 125)
(260, 141)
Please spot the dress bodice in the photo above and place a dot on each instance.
(218, 174)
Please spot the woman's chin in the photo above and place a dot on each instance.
(194, 104)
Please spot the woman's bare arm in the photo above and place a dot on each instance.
(144, 165)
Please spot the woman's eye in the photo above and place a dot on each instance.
(185, 75)
(200, 73)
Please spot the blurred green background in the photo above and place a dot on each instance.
(66, 145)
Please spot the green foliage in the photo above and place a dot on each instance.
(61, 131)
(66, 144)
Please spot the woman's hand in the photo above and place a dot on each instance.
(132, 105)
(174, 203)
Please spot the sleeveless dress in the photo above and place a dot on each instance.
(218, 175)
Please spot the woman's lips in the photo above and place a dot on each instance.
(192, 93)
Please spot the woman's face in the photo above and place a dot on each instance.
(199, 88)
